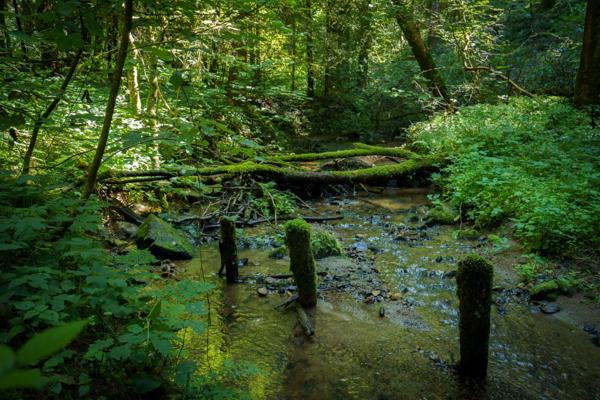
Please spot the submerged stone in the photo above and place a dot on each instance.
(550, 308)
(163, 240)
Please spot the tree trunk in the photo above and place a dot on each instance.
(135, 100)
(365, 45)
(112, 101)
(421, 52)
(228, 250)
(587, 83)
(41, 118)
(310, 73)
(5, 39)
(302, 263)
(19, 25)
(293, 54)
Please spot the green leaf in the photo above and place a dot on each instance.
(48, 342)
(7, 359)
(145, 383)
(155, 312)
(22, 379)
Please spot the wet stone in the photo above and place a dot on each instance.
(550, 308)
(262, 291)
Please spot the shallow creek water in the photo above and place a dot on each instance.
(358, 354)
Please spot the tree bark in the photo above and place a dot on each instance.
(421, 52)
(43, 117)
(19, 25)
(310, 73)
(587, 83)
(5, 39)
(135, 100)
(228, 250)
(112, 101)
(365, 45)
(293, 54)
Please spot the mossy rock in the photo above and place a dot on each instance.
(163, 240)
(544, 290)
(442, 214)
(325, 244)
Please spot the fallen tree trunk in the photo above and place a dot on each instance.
(360, 151)
(254, 222)
(293, 176)
(411, 165)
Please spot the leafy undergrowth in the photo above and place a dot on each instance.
(533, 162)
(55, 270)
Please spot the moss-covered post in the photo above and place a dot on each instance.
(228, 250)
(474, 280)
(302, 263)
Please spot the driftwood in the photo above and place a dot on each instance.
(289, 301)
(304, 321)
(128, 214)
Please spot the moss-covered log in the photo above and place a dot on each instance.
(414, 164)
(295, 176)
(302, 263)
(228, 250)
(474, 280)
(360, 151)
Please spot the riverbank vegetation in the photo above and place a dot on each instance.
(111, 111)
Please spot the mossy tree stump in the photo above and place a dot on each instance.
(302, 263)
(474, 280)
(228, 250)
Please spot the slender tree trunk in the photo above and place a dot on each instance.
(293, 54)
(365, 45)
(135, 100)
(5, 39)
(327, 53)
(421, 52)
(310, 73)
(587, 83)
(43, 117)
(19, 25)
(112, 101)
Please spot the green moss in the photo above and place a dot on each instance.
(442, 214)
(163, 240)
(302, 263)
(544, 290)
(325, 244)
(362, 150)
(295, 175)
(278, 253)
(474, 282)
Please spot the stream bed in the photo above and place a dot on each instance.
(387, 318)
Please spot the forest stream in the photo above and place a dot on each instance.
(387, 315)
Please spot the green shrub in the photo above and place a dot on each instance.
(534, 162)
(56, 270)
(325, 244)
